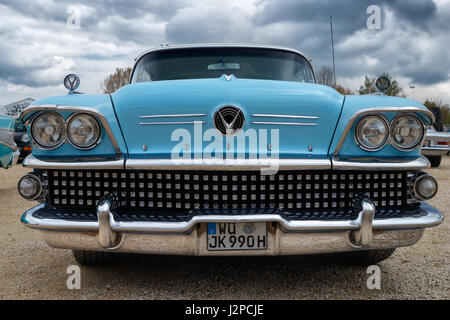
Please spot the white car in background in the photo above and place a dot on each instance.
(436, 145)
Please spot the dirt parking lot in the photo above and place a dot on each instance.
(29, 269)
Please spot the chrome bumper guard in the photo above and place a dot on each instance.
(189, 237)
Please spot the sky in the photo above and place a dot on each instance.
(41, 41)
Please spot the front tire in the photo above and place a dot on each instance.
(366, 257)
(92, 258)
(435, 160)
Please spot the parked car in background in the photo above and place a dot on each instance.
(8, 149)
(21, 139)
(437, 140)
(436, 145)
(228, 150)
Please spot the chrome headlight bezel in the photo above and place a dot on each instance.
(418, 143)
(38, 185)
(358, 140)
(70, 139)
(61, 138)
(418, 180)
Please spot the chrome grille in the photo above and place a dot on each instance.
(227, 190)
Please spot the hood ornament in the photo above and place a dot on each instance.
(229, 120)
(382, 84)
(71, 82)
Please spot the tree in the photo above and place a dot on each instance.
(116, 80)
(342, 90)
(369, 86)
(325, 76)
(441, 112)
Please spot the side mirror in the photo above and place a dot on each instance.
(382, 84)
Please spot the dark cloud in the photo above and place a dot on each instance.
(413, 44)
(415, 12)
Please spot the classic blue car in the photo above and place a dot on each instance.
(8, 149)
(228, 150)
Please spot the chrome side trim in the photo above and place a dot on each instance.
(283, 116)
(81, 109)
(284, 123)
(419, 163)
(172, 122)
(376, 110)
(32, 162)
(174, 115)
(428, 217)
(228, 164)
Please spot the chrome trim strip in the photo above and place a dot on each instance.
(81, 109)
(172, 122)
(228, 164)
(429, 217)
(32, 162)
(283, 116)
(174, 115)
(419, 163)
(232, 164)
(285, 123)
(375, 110)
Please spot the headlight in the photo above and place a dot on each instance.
(425, 187)
(25, 138)
(372, 132)
(30, 187)
(83, 131)
(407, 132)
(47, 130)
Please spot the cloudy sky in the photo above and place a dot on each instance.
(38, 46)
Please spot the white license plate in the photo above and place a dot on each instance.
(237, 236)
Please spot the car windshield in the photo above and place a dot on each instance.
(245, 63)
(19, 126)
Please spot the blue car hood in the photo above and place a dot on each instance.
(206, 96)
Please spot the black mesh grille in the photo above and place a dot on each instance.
(227, 190)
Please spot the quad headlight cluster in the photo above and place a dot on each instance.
(49, 130)
(405, 131)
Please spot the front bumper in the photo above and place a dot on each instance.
(284, 237)
(431, 148)
(435, 150)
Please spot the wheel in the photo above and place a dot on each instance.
(367, 257)
(92, 258)
(435, 160)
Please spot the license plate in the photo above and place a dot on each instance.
(237, 236)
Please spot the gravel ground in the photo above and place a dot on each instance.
(29, 269)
